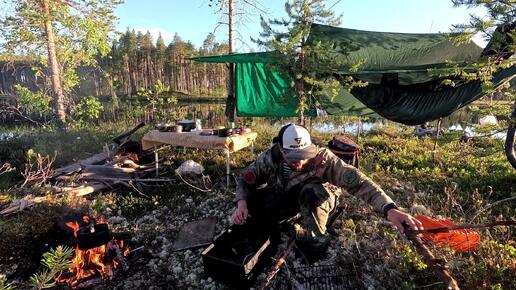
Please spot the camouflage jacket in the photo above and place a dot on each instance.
(325, 168)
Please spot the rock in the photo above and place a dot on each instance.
(190, 166)
(177, 269)
(488, 120)
(115, 220)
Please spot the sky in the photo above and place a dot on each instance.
(194, 19)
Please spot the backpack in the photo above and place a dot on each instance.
(345, 148)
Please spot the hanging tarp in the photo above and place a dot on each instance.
(263, 92)
(396, 66)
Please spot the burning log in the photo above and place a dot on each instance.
(119, 256)
(89, 263)
(89, 283)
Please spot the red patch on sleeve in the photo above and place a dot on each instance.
(250, 177)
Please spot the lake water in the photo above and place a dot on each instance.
(212, 115)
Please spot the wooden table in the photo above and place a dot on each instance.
(228, 145)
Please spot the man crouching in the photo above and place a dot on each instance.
(295, 176)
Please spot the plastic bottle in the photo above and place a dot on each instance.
(198, 125)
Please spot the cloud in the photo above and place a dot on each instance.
(479, 40)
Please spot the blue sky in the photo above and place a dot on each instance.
(194, 19)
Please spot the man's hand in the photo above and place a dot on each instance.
(240, 215)
(398, 218)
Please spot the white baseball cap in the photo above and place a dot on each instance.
(296, 142)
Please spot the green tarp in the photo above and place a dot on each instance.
(396, 66)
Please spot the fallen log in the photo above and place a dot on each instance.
(107, 170)
(84, 189)
(131, 179)
(76, 167)
(21, 204)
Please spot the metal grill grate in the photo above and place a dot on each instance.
(327, 277)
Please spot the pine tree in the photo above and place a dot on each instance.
(62, 35)
(308, 63)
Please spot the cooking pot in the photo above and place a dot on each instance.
(225, 132)
(92, 236)
(188, 125)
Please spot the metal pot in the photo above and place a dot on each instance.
(225, 132)
(92, 236)
(188, 125)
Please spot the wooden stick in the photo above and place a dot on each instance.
(129, 179)
(491, 205)
(462, 227)
(278, 265)
(437, 265)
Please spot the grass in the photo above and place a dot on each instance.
(456, 181)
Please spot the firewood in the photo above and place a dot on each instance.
(75, 167)
(277, 266)
(89, 283)
(21, 204)
(119, 256)
(108, 170)
(85, 189)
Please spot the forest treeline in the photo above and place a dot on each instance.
(137, 62)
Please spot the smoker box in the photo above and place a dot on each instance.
(238, 254)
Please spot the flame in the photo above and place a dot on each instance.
(91, 262)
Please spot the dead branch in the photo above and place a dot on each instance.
(38, 170)
(129, 179)
(6, 167)
(191, 185)
(463, 227)
(130, 185)
(277, 266)
(15, 111)
(491, 205)
(21, 204)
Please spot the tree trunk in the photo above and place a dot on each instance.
(54, 66)
(231, 100)
(302, 97)
(509, 140)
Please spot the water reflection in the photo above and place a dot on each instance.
(212, 115)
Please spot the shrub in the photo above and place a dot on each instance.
(88, 110)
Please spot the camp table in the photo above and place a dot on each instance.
(228, 145)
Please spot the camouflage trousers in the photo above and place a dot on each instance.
(314, 201)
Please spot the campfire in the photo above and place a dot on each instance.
(96, 254)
